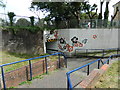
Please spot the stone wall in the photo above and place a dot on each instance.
(23, 41)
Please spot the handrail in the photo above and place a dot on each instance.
(86, 50)
(110, 57)
(30, 65)
(69, 84)
(29, 59)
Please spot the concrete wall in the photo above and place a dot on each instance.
(71, 39)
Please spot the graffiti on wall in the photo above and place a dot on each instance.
(75, 42)
(94, 36)
(84, 41)
(63, 45)
(51, 36)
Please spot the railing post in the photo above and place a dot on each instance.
(102, 62)
(30, 66)
(3, 78)
(86, 52)
(98, 64)
(103, 53)
(46, 65)
(117, 50)
(108, 61)
(68, 85)
(88, 70)
(59, 60)
(66, 61)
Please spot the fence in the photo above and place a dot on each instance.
(85, 23)
(86, 52)
(30, 65)
(69, 84)
(71, 23)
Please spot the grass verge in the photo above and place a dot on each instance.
(12, 57)
(110, 78)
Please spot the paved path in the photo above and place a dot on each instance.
(57, 79)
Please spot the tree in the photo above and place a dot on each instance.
(32, 20)
(11, 16)
(60, 11)
(22, 22)
(35, 10)
(106, 15)
(112, 17)
(89, 11)
(100, 14)
(2, 4)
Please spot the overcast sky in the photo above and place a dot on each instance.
(20, 7)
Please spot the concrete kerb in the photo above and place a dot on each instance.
(93, 77)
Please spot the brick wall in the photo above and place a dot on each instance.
(13, 78)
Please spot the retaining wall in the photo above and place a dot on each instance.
(13, 78)
(71, 39)
(23, 42)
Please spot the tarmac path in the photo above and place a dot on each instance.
(57, 79)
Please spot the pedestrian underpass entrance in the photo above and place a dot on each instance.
(58, 79)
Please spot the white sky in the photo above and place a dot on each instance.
(20, 7)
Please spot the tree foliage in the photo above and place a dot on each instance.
(22, 22)
(89, 9)
(60, 11)
(2, 4)
(32, 20)
(112, 17)
(11, 16)
(106, 14)
(65, 12)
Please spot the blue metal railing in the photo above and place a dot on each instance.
(30, 65)
(69, 84)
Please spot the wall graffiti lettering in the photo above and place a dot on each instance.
(94, 36)
(52, 36)
(51, 40)
(62, 41)
(56, 34)
(84, 41)
(75, 42)
(63, 45)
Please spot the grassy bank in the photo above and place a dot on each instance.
(12, 57)
(110, 78)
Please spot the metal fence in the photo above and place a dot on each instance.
(85, 23)
(85, 52)
(71, 23)
(69, 82)
(30, 64)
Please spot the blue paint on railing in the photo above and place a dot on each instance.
(70, 87)
(30, 65)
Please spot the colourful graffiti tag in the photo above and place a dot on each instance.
(52, 36)
(63, 45)
(56, 34)
(76, 43)
(94, 36)
(84, 41)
